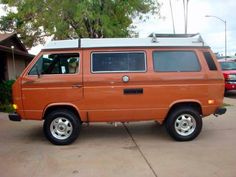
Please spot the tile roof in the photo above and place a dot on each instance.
(6, 48)
(4, 36)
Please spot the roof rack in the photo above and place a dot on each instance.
(156, 40)
(196, 36)
(173, 35)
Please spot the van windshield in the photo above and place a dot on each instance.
(228, 65)
(63, 63)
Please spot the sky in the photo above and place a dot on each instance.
(211, 29)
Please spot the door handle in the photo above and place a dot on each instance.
(76, 86)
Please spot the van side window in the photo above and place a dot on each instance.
(56, 64)
(118, 62)
(175, 61)
(210, 62)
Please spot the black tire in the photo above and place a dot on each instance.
(177, 128)
(67, 119)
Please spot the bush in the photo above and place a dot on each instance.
(6, 95)
(6, 108)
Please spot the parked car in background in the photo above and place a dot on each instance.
(229, 71)
(218, 57)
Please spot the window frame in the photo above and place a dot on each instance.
(107, 72)
(49, 53)
(193, 51)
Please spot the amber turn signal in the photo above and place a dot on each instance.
(211, 101)
(15, 106)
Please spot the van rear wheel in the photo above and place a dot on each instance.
(184, 124)
(61, 127)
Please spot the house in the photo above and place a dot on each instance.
(14, 57)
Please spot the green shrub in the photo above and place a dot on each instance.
(6, 95)
(6, 108)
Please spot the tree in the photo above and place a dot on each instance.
(67, 19)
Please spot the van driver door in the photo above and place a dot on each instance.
(53, 78)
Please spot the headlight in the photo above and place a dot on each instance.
(231, 77)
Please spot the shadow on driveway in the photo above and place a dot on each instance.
(95, 133)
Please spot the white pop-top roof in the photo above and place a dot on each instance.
(156, 41)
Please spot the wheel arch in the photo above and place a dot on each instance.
(54, 106)
(189, 103)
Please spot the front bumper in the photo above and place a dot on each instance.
(14, 117)
(220, 111)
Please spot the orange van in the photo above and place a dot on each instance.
(172, 79)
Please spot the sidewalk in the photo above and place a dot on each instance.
(4, 115)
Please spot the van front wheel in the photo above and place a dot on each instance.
(184, 124)
(61, 127)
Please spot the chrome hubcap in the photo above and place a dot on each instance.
(185, 124)
(61, 128)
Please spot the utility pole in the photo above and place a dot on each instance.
(185, 6)
(172, 17)
(186, 18)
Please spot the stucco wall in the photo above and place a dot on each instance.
(20, 65)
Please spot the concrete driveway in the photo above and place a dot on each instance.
(136, 150)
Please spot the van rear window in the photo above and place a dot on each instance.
(210, 62)
(175, 61)
(118, 62)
